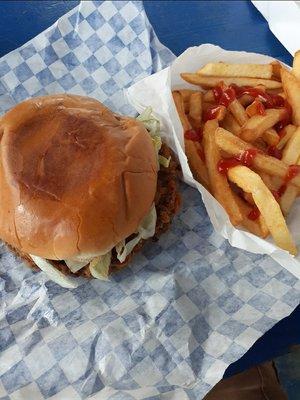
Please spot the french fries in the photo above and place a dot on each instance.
(237, 70)
(218, 183)
(244, 142)
(258, 124)
(252, 183)
(212, 81)
(296, 65)
(291, 87)
(195, 109)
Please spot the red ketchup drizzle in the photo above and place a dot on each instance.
(293, 171)
(211, 113)
(260, 108)
(254, 214)
(194, 135)
(245, 158)
(274, 152)
(224, 97)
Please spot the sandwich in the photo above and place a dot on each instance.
(82, 188)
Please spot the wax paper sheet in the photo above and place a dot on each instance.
(167, 326)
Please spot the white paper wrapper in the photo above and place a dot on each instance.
(284, 21)
(155, 91)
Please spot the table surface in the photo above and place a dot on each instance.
(233, 25)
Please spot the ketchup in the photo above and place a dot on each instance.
(293, 170)
(211, 113)
(274, 152)
(245, 158)
(260, 108)
(194, 135)
(254, 214)
(224, 97)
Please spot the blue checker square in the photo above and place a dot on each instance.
(53, 34)
(262, 302)
(257, 277)
(113, 296)
(48, 55)
(95, 19)
(76, 18)
(62, 346)
(134, 69)
(291, 298)
(88, 384)
(196, 361)
(74, 318)
(84, 292)
(115, 45)
(232, 328)
(23, 72)
(72, 40)
(229, 302)
(200, 328)
(18, 314)
(6, 338)
(67, 81)
(233, 353)
(91, 64)
(16, 377)
(2, 89)
(264, 323)
(4, 68)
(70, 61)
(45, 77)
(169, 321)
(228, 275)
(162, 359)
(27, 51)
(94, 42)
(109, 87)
(286, 277)
(137, 47)
(137, 24)
(112, 66)
(118, 22)
(199, 296)
(52, 382)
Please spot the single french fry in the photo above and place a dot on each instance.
(291, 86)
(231, 124)
(195, 109)
(252, 183)
(178, 100)
(257, 227)
(237, 70)
(258, 124)
(186, 94)
(288, 198)
(255, 108)
(219, 113)
(276, 68)
(268, 181)
(212, 81)
(289, 130)
(234, 146)
(296, 65)
(271, 137)
(218, 183)
(196, 163)
(238, 112)
(245, 100)
(209, 97)
(291, 151)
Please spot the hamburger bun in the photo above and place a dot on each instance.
(75, 178)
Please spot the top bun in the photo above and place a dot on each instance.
(75, 178)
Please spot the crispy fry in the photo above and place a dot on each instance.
(288, 198)
(276, 68)
(238, 112)
(296, 65)
(251, 182)
(218, 183)
(178, 100)
(234, 146)
(211, 81)
(231, 124)
(271, 137)
(291, 86)
(209, 97)
(219, 114)
(289, 130)
(291, 151)
(257, 227)
(258, 124)
(197, 165)
(195, 109)
(254, 108)
(186, 94)
(237, 70)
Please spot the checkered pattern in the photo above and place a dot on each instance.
(188, 306)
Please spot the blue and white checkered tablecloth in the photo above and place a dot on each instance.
(167, 326)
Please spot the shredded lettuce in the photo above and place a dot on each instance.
(54, 274)
(75, 266)
(99, 266)
(145, 231)
(152, 125)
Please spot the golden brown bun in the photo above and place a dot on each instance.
(75, 179)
